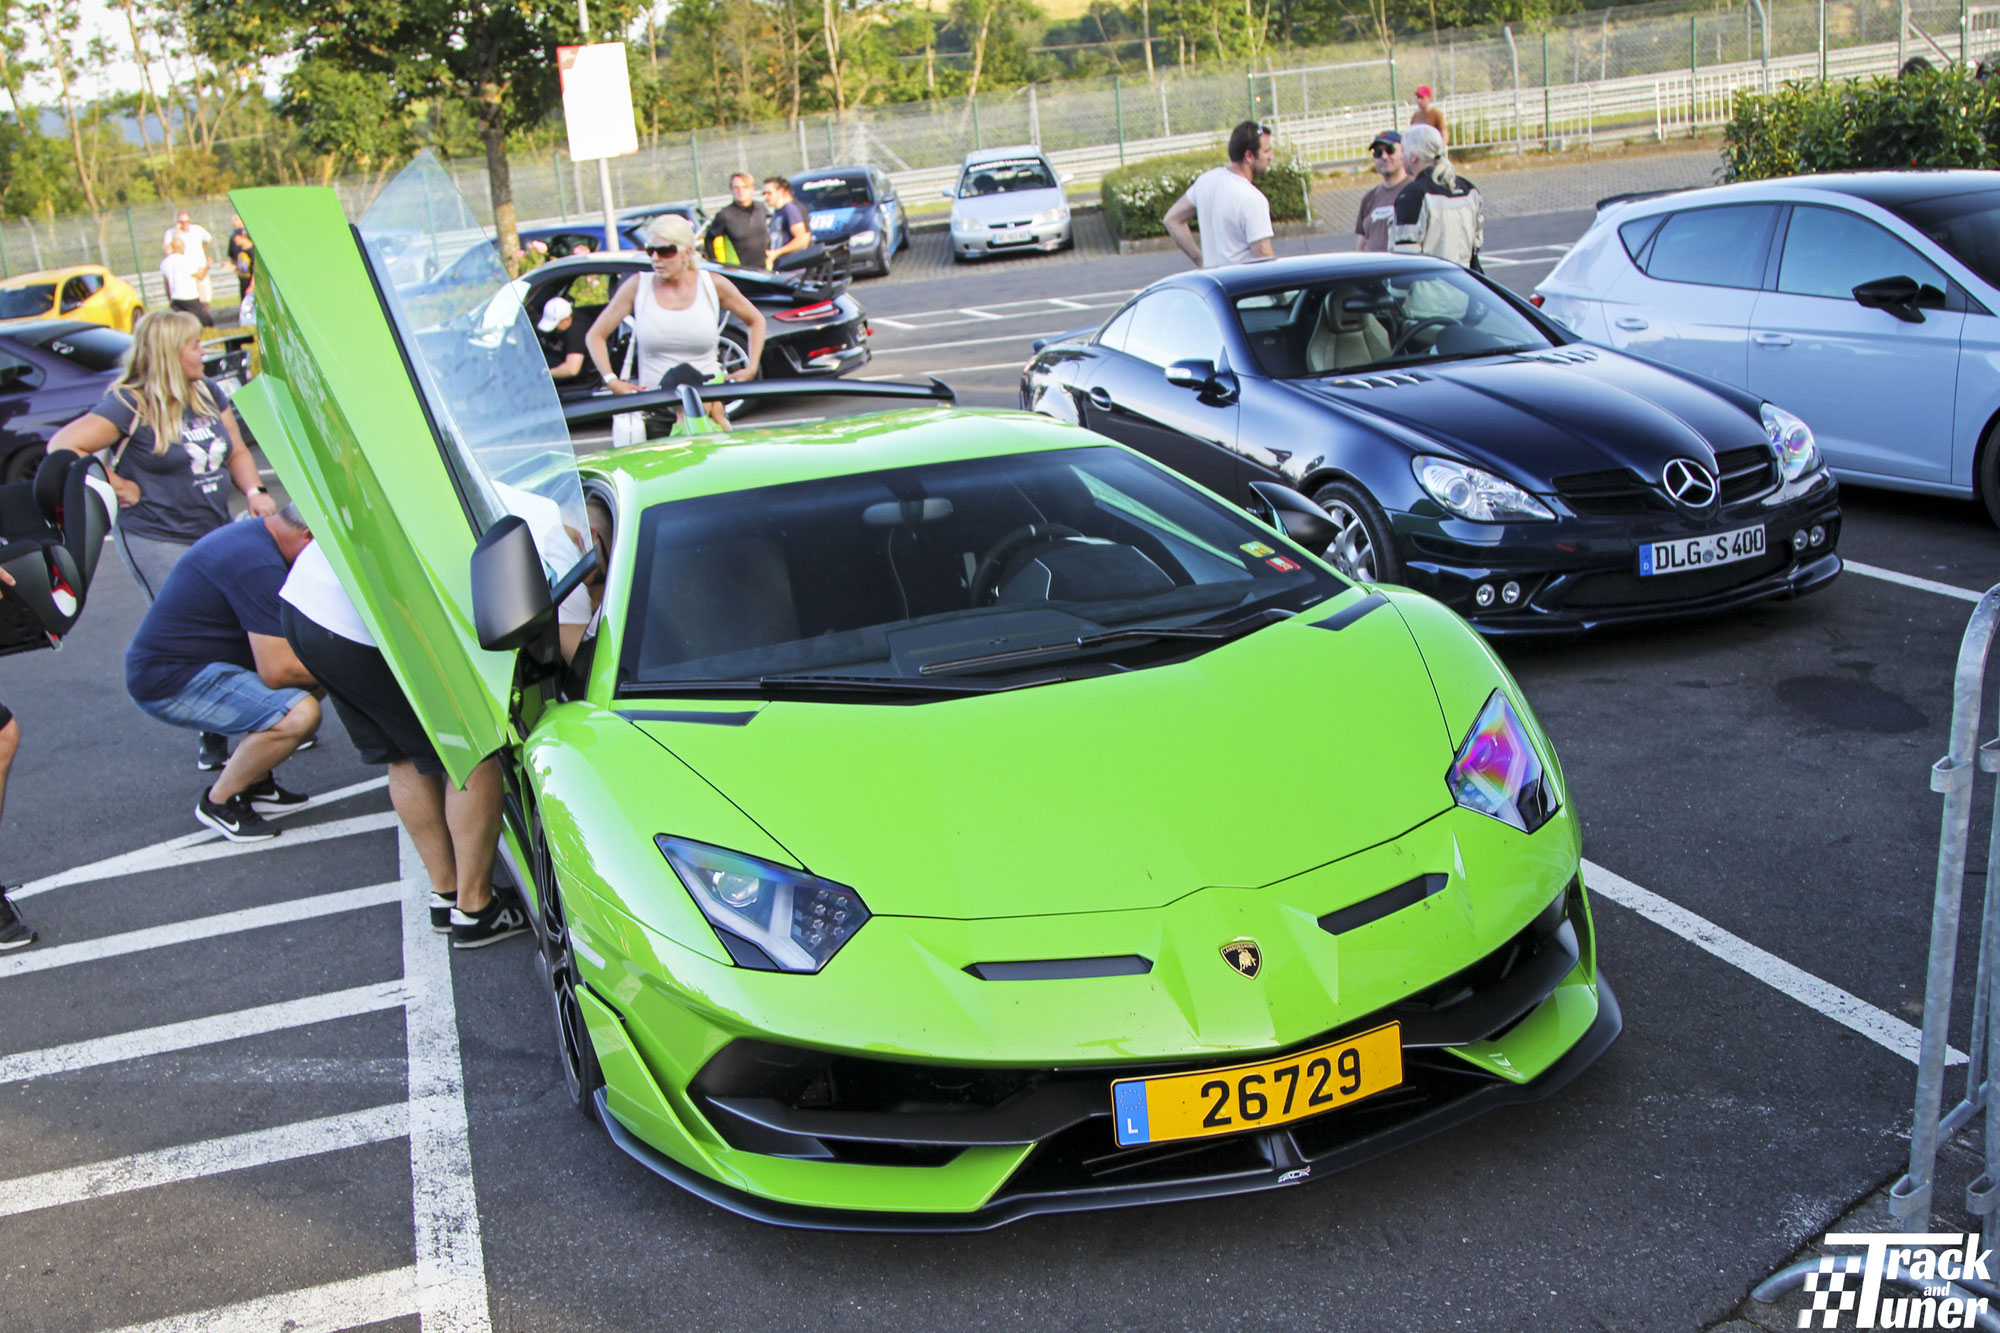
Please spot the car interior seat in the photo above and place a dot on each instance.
(984, 184)
(1345, 339)
(52, 531)
(713, 598)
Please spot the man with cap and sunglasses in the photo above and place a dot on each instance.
(1378, 206)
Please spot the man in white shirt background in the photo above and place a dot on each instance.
(185, 281)
(1233, 215)
(200, 247)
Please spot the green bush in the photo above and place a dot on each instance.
(1929, 118)
(1137, 197)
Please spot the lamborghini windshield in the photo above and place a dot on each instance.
(476, 361)
(943, 575)
(1353, 325)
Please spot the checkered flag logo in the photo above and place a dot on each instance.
(1830, 1293)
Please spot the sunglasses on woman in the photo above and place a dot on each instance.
(663, 251)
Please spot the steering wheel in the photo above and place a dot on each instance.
(986, 577)
(1409, 334)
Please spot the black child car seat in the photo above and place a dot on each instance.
(52, 532)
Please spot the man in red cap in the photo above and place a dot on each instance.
(1428, 114)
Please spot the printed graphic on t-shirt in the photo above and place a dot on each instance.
(206, 446)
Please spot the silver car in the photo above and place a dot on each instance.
(1007, 200)
(1866, 303)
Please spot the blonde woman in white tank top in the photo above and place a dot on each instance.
(676, 315)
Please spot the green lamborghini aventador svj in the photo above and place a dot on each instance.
(948, 816)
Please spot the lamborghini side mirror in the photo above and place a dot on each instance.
(511, 605)
(1297, 517)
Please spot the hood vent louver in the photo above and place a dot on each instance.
(1387, 380)
(1568, 356)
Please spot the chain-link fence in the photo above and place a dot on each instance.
(1641, 71)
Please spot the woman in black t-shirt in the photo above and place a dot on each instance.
(173, 441)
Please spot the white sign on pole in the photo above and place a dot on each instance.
(597, 100)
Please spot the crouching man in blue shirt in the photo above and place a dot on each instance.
(211, 656)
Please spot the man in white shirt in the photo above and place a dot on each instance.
(184, 281)
(200, 246)
(1233, 215)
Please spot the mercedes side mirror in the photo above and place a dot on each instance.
(1902, 296)
(511, 605)
(1215, 386)
(1297, 517)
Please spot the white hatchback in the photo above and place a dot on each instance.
(1866, 303)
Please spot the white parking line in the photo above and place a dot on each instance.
(936, 319)
(211, 1157)
(1911, 581)
(201, 928)
(204, 1031)
(177, 852)
(451, 1256)
(355, 1303)
(1851, 1011)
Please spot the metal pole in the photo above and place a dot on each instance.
(1118, 107)
(694, 165)
(555, 169)
(1034, 118)
(1822, 41)
(7, 271)
(832, 153)
(603, 164)
(1393, 99)
(1902, 32)
(1250, 87)
(1546, 126)
(1694, 71)
(132, 237)
(1964, 32)
(1514, 57)
(1765, 52)
(978, 136)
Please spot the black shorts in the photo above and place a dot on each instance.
(372, 706)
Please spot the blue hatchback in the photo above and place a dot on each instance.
(858, 207)
(1867, 303)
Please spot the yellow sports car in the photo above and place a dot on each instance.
(81, 291)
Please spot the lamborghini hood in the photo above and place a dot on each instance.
(1121, 792)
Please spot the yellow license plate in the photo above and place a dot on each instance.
(1257, 1096)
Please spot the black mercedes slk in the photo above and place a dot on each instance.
(1463, 443)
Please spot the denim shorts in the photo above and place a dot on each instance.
(224, 698)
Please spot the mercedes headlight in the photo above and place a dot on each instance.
(1478, 495)
(1798, 452)
(864, 239)
(769, 917)
(1497, 772)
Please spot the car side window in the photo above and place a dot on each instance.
(1113, 334)
(1173, 326)
(17, 375)
(1634, 234)
(74, 294)
(1717, 247)
(91, 282)
(1830, 252)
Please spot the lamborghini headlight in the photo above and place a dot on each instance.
(1798, 452)
(1476, 494)
(1497, 772)
(768, 916)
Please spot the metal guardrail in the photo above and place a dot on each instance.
(1953, 776)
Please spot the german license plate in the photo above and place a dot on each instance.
(1685, 553)
(1257, 1096)
(1014, 237)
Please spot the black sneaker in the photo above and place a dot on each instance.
(235, 819)
(441, 907)
(268, 792)
(213, 754)
(494, 922)
(14, 934)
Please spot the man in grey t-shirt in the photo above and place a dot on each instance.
(1378, 206)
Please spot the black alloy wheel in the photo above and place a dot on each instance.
(732, 352)
(581, 1075)
(1986, 473)
(1365, 546)
(21, 464)
(886, 250)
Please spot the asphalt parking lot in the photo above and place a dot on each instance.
(245, 1085)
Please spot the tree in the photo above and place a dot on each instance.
(499, 60)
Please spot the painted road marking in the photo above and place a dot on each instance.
(198, 1032)
(968, 342)
(355, 1303)
(953, 370)
(1849, 1010)
(210, 1157)
(178, 852)
(451, 1255)
(935, 319)
(202, 928)
(1912, 581)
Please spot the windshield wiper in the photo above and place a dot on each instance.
(1205, 633)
